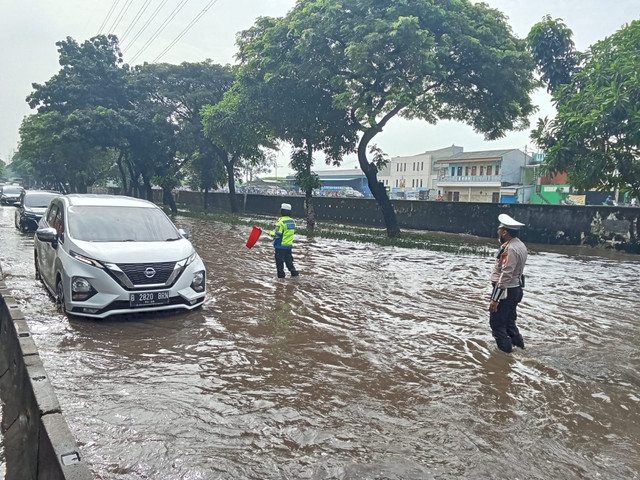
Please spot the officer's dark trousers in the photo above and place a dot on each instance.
(503, 322)
(285, 257)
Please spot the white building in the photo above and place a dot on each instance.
(482, 176)
(418, 173)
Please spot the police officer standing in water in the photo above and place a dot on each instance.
(283, 241)
(508, 281)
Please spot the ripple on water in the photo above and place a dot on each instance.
(377, 362)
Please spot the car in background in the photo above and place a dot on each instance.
(10, 194)
(101, 255)
(30, 208)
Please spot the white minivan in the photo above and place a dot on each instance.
(101, 255)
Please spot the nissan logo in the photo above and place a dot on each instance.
(149, 272)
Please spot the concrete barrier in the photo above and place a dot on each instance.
(37, 441)
(594, 225)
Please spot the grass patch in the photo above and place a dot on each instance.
(435, 241)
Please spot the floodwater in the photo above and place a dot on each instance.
(376, 363)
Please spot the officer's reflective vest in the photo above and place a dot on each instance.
(283, 233)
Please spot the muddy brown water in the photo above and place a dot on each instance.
(375, 363)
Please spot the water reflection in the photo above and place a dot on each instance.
(376, 362)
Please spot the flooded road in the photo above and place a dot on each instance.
(375, 363)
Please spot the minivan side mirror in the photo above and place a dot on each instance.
(47, 234)
(184, 232)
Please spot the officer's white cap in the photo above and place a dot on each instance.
(285, 206)
(507, 222)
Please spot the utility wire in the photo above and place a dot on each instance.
(160, 29)
(104, 22)
(135, 20)
(185, 30)
(120, 16)
(146, 24)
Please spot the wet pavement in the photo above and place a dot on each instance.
(376, 363)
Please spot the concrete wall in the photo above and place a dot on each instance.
(601, 226)
(512, 163)
(37, 441)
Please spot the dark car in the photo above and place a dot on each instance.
(32, 205)
(10, 194)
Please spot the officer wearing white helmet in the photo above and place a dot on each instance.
(283, 241)
(507, 279)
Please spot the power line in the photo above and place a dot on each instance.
(185, 30)
(118, 19)
(160, 29)
(111, 10)
(135, 20)
(146, 24)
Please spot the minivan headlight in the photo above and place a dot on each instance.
(198, 281)
(191, 259)
(81, 289)
(87, 260)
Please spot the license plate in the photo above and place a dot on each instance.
(141, 299)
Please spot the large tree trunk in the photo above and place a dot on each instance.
(229, 164)
(377, 188)
(123, 174)
(371, 172)
(167, 199)
(147, 188)
(311, 214)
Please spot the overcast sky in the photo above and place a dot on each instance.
(30, 28)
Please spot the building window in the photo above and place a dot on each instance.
(396, 182)
(453, 171)
(481, 170)
(459, 171)
(420, 183)
(466, 171)
(474, 171)
(489, 170)
(497, 169)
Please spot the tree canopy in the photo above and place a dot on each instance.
(595, 136)
(551, 45)
(421, 59)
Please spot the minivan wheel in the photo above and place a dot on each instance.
(60, 294)
(35, 262)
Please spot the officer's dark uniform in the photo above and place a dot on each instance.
(508, 281)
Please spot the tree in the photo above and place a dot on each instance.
(421, 59)
(172, 96)
(238, 133)
(53, 149)
(595, 136)
(552, 47)
(66, 137)
(300, 111)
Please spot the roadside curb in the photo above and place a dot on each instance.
(37, 441)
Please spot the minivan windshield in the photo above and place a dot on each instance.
(120, 224)
(10, 189)
(39, 199)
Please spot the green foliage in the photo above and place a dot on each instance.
(77, 114)
(418, 59)
(367, 62)
(595, 136)
(553, 49)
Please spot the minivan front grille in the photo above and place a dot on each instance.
(142, 274)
